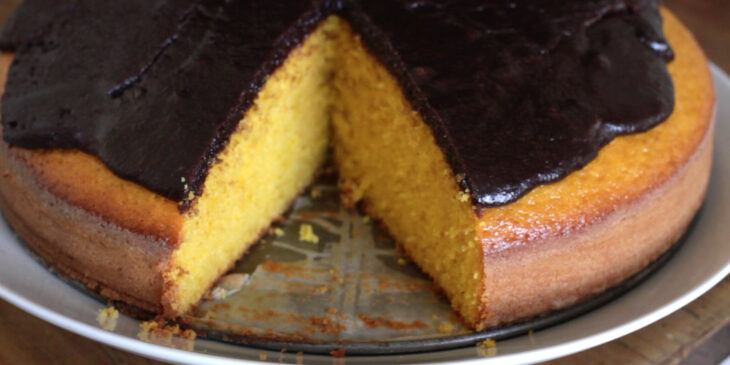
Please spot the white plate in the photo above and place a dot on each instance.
(701, 263)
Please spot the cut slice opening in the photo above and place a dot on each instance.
(386, 156)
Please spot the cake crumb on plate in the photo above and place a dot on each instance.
(306, 234)
(107, 318)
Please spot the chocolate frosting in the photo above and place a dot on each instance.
(518, 93)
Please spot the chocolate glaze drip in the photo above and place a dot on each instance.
(518, 93)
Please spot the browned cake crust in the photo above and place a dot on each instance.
(112, 235)
(117, 237)
(117, 263)
(549, 274)
(566, 241)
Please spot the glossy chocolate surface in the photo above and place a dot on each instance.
(153, 88)
(518, 93)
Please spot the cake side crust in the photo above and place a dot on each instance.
(530, 280)
(115, 262)
(573, 239)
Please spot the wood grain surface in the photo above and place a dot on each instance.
(697, 334)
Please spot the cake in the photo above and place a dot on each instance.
(526, 155)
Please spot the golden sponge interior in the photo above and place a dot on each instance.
(271, 157)
(387, 156)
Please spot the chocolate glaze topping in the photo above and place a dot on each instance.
(518, 93)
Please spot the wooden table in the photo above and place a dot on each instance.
(697, 334)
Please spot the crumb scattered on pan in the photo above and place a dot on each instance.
(487, 348)
(162, 333)
(402, 261)
(278, 232)
(365, 219)
(488, 343)
(262, 355)
(445, 327)
(315, 193)
(107, 318)
(338, 353)
(326, 325)
(306, 234)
